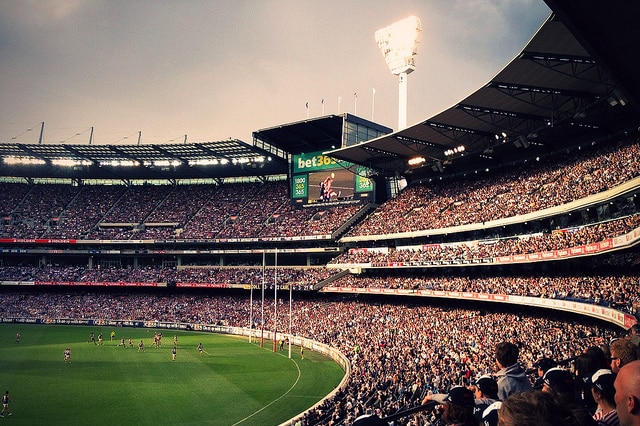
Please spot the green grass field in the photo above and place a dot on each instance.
(233, 383)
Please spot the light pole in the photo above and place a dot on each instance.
(399, 44)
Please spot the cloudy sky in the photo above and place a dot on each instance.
(215, 69)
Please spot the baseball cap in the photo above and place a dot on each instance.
(560, 381)
(369, 420)
(488, 385)
(603, 380)
(459, 395)
(544, 364)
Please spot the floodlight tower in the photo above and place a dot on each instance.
(399, 44)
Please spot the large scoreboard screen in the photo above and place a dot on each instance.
(318, 178)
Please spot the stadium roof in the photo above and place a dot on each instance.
(314, 134)
(229, 158)
(560, 91)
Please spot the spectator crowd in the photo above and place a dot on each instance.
(160, 212)
(527, 189)
(494, 248)
(400, 354)
(254, 210)
(619, 291)
(302, 278)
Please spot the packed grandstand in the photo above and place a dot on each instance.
(415, 289)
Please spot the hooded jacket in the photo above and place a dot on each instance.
(512, 379)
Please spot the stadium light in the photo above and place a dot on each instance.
(399, 44)
(416, 161)
(120, 163)
(454, 151)
(70, 163)
(23, 160)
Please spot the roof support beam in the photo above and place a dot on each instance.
(75, 152)
(169, 154)
(514, 89)
(479, 111)
(564, 58)
(455, 133)
(372, 149)
(510, 121)
(574, 66)
(35, 154)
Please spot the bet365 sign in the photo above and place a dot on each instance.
(314, 161)
(300, 186)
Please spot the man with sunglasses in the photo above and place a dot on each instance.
(623, 351)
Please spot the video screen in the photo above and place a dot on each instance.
(331, 185)
(318, 178)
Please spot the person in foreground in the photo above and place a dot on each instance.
(537, 408)
(603, 394)
(511, 378)
(457, 406)
(627, 396)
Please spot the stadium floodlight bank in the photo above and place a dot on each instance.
(399, 45)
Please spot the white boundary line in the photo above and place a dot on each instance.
(275, 400)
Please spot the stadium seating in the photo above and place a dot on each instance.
(399, 351)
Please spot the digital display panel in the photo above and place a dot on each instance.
(318, 178)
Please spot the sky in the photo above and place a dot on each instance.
(219, 69)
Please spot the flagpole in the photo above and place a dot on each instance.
(373, 104)
(355, 103)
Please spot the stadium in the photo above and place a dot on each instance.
(405, 256)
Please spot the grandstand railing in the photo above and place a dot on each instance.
(331, 279)
(366, 209)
